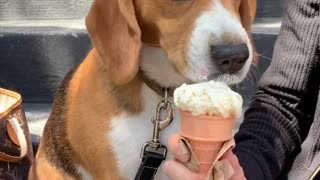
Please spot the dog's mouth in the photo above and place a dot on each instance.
(228, 79)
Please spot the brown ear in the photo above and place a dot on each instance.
(115, 33)
(247, 11)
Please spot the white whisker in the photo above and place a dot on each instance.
(260, 55)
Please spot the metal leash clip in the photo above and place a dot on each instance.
(155, 145)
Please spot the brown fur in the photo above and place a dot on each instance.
(63, 145)
(106, 83)
(247, 13)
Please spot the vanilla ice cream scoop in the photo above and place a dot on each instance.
(208, 98)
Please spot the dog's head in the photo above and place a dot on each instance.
(200, 39)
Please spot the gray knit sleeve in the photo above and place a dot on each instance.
(283, 108)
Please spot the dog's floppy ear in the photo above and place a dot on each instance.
(115, 33)
(247, 12)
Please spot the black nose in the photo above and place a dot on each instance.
(229, 58)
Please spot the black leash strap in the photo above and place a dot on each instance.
(151, 160)
(154, 152)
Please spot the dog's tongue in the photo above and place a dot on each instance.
(208, 98)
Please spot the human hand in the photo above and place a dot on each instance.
(233, 160)
(175, 169)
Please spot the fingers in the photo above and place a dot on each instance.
(178, 148)
(233, 160)
(231, 157)
(176, 171)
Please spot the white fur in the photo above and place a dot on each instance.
(129, 133)
(84, 173)
(156, 65)
(209, 28)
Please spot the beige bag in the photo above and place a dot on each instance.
(16, 154)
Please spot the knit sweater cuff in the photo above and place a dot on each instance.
(251, 164)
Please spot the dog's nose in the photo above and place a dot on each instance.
(229, 58)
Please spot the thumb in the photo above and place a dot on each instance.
(233, 160)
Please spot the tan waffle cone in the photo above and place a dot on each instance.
(206, 135)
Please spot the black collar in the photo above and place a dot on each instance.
(155, 86)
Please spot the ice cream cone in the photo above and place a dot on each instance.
(206, 135)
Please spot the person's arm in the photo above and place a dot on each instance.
(283, 108)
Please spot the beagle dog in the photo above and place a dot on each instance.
(101, 114)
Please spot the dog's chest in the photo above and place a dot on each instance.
(129, 133)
